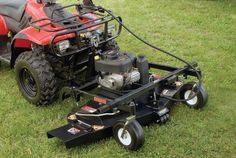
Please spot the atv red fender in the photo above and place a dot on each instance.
(40, 37)
(4, 29)
(26, 37)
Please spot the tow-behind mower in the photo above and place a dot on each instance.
(58, 53)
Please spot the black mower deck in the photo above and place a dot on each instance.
(84, 129)
(144, 115)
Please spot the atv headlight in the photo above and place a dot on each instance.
(63, 45)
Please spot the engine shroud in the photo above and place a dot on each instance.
(114, 62)
(116, 70)
(117, 81)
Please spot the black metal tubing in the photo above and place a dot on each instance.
(77, 24)
(68, 6)
(144, 89)
(79, 30)
(170, 68)
(75, 5)
(76, 28)
(52, 22)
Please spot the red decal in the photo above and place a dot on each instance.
(157, 76)
(89, 109)
(100, 100)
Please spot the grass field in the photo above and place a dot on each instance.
(203, 31)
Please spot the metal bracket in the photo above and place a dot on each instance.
(128, 121)
(70, 91)
(98, 115)
(192, 91)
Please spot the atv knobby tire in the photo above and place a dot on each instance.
(35, 78)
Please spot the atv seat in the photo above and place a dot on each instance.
(12, 8)
(13, 13)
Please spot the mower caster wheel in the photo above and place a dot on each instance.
(133, 136)
(71, 118)
(199, 100)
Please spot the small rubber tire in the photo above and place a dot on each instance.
(70, 120)
(199, 101)
(134, 135)
(43, 87)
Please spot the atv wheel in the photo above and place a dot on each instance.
(196, 102)
(133, 137)
(35, 78)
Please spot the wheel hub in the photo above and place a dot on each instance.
(192, 101)
(124, 138)
(28, 83)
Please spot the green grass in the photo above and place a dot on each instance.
(202, 31)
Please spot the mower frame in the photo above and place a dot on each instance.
(122, 108)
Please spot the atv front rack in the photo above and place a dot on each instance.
(76, 27)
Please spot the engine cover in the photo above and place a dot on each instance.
(114, 62)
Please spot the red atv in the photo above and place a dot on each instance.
(48, 46)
